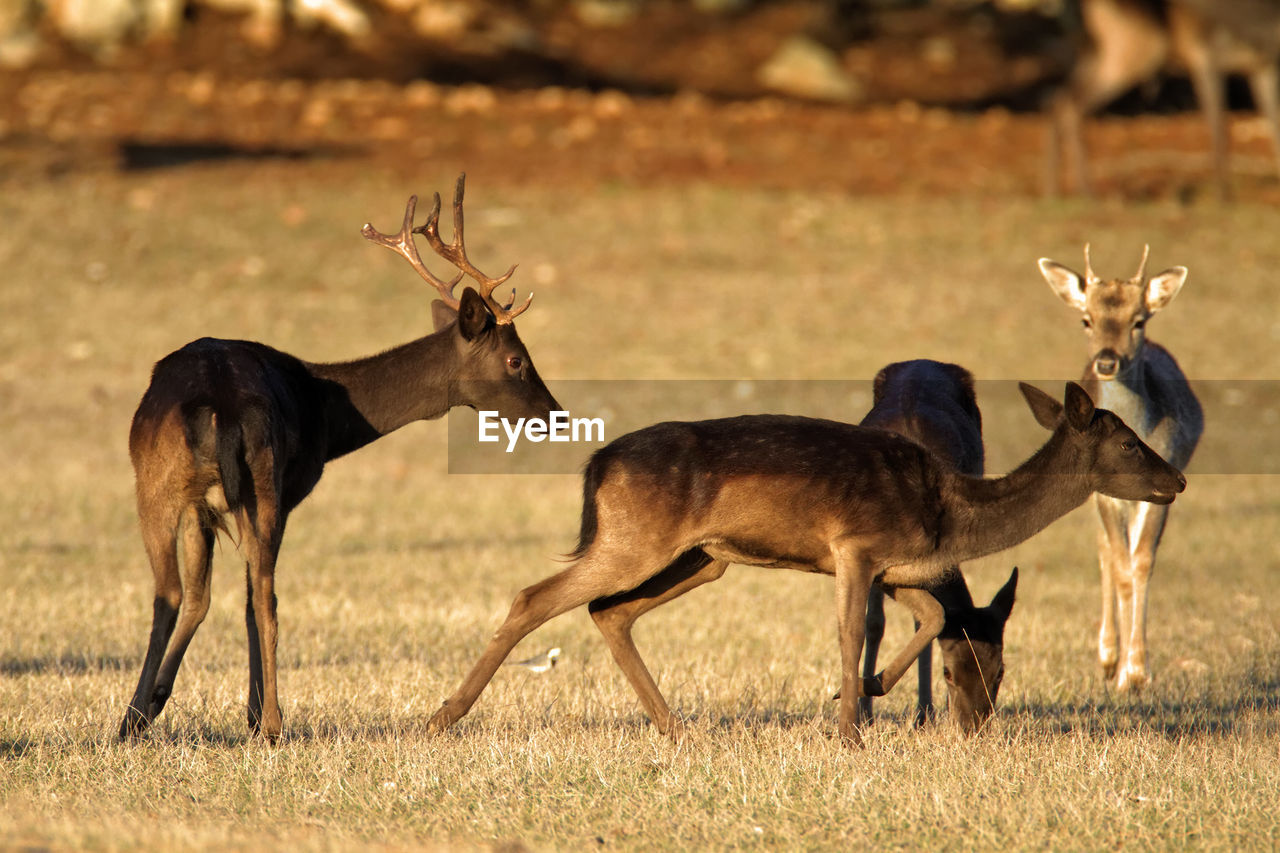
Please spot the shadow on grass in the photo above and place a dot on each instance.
(69, 664)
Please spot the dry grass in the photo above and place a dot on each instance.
(392, 575)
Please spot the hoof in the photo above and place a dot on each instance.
(873, 686)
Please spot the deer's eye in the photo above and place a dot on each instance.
(1138, 324)
(1086, 322)
(514, 362)
(946, 673)
(1128, 445)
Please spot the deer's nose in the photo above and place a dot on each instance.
(1106, 363)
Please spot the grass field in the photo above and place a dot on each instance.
(394, 573)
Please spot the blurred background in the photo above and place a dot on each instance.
(862, 95)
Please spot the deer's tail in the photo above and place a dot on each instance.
(591, 479)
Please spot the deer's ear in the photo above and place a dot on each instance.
(1163, 287)
(473, 316)
(1046, 409)
(1079, 407)
(1065, 282)
(441, 314)
(1002, 604)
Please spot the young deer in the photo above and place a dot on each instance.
(1131, 40)
(668, 507)
(1138, 380)
(934, 405)
(238, 427)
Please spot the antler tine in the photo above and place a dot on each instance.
(1088, 265)
(402, 244)
(1142, 267)
(455, 252)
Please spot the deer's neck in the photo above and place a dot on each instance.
(370, 397)
(989, 515)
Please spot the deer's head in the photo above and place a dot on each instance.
(972, 642)
(493, 369)
(1115, 311)
(1116, 462)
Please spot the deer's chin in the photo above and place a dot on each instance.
(1161, 497)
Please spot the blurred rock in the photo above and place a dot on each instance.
(804, 68)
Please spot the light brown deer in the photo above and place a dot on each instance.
(238, 428)
(934, 405)
(668, 507)
(1140, 381)
(1130, 41)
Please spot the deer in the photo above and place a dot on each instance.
(668, 507)
(1130, 41)
(236, 432)
(934, 404)
(1139, 380)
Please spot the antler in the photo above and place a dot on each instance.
(403, 245)
(1088, 266)
(456, 254)
(1142, 267)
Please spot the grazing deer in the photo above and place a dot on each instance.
(668, 507)
(1131, 40)
(1138, 380)
(238, 427)
(933, 404)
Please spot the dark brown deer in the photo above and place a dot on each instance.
(239, 428)
(1130, 41)
(1139, 380)
(668, 507)
(934, 405)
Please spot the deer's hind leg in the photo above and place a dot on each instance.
(616, 614)
(599, 573)
(158, 518)
(197, 552)
(263, 540)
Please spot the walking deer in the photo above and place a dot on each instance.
(668, 507)
(1139, 380)
(1130, 41)
(934, 405)
(238, 428)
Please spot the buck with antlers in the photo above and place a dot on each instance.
(1129, 42)
(1139, 380)
(934, 405)
(668, 507)
(239, 428)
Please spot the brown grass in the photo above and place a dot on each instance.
(394, 573)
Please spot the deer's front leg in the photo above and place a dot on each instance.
(929, 617)
(1113, 559)
(1148, 525)
(853, 584)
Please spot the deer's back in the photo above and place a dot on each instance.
(211, 384)
(767, 489)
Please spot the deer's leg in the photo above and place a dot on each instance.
(872, 639)
(261, 523)
(1207, 81)
(1265, 83)
(924, 679)
(929, 617)
(159, 537)
(615, 615)
(1148, 526)
(197, 552)
(1113, 558)
(853, 583)
(596, 575)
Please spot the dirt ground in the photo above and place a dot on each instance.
(690, 116)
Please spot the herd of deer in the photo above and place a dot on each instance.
(237, 433)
